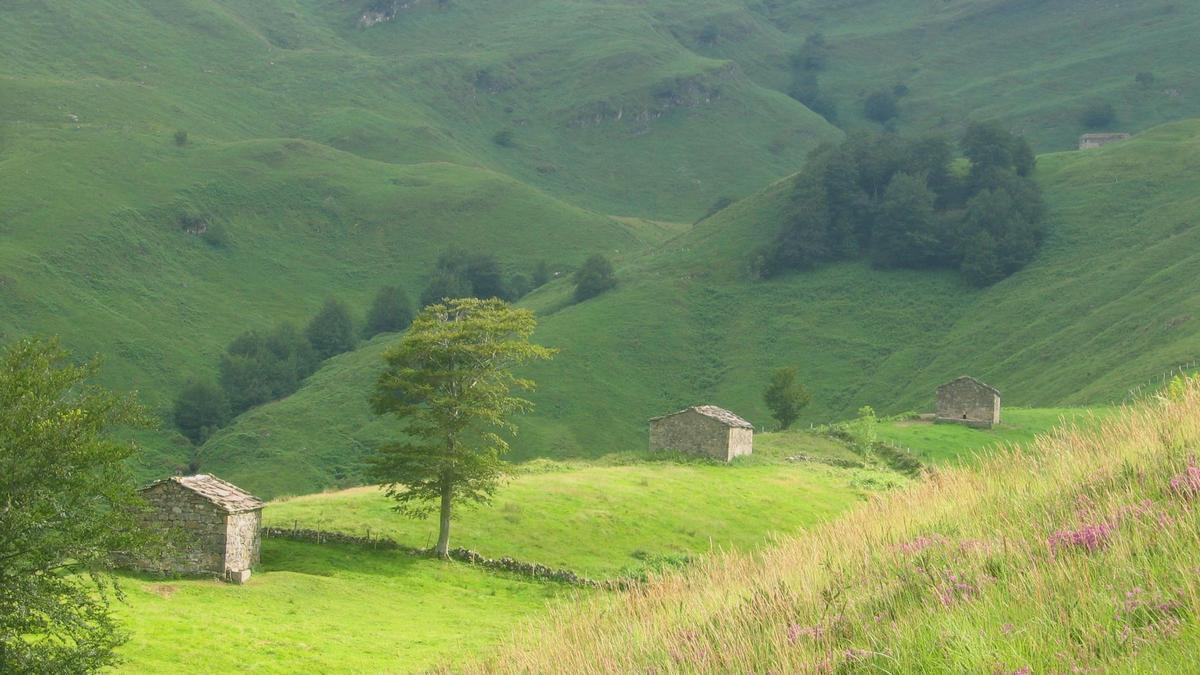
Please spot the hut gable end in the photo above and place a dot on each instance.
(966, 400)
(703, 430)
(214, 526)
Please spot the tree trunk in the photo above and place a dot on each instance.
(443, 545)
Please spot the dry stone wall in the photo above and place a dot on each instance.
(196, 527)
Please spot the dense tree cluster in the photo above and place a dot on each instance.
(900, 203)
(459, 274)
(595, 277)
(258, 367)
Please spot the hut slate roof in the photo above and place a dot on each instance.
(225, 495)
(719, 414)
(973, 381)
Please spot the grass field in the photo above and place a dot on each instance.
(325, 608)
(946, 443)
(1076, 552)
(605, 520)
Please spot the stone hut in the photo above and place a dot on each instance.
(703, 430)
(968, 401)
(214, 526)
(1090, 141)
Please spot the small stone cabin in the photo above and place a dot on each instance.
(1090, 141)
(216, 525)
(968, 401)
(703, 430)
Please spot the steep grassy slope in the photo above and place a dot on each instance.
(1105, 306)
(1076, 553)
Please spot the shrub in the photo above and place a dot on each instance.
(181, 138)
(1098, 115)
(1144, 79)
(595, 277)
(504, 138)
(331, 331)
(391, 312)
(881, 107)
(786, 396)
(200, 409)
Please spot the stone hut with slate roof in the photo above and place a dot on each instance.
(214, 526)
(968, 401)
(703, 430)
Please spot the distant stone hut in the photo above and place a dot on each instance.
(1090, 141)
(214, 524)
(703, 430)
(968, 401)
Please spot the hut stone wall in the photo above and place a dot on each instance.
(967, 401)
(196, 526)
(694, 433)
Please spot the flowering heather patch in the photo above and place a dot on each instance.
(921, 543)
(954, 588)
(1090, 538)
(796, 631)
(1187, 484)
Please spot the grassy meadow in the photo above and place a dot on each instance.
(1075, 552)
(606, 520)
(325, 608)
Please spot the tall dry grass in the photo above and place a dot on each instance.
(1078, 553)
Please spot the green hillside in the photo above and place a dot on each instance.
(1075, 552)
(336, 146)
(1105, 307)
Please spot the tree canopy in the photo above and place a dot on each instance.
(450, 381)
(785, 396)
(391, 312)
(67, 503)
(331, 331)
(900, 202)
(595, 277)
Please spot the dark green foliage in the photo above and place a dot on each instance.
(813, 55)
(899, 201)
(257, 368)
(459, 274)
(595, 277)
(391, 312)
(1098, 115)
(906, 232)
(881, 107)
(181, 138)
(900, 90)
(445, 285)
(1145, 79)
(69, 503)
(710, 34)
(519, 286)
(785, 396)
(331, 331)
(806, 88)
(504, 138)
(541, 274)
(200, 409)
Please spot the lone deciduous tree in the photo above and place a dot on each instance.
(450, 380)
(67, 503)
(786, 397)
